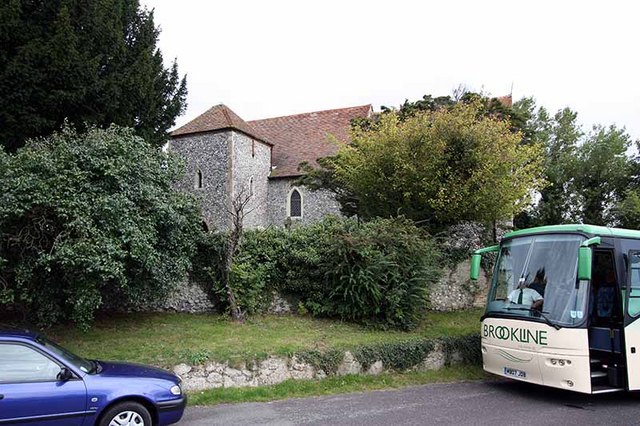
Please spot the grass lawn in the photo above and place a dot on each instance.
(168, 339)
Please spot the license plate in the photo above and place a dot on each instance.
(515, 373)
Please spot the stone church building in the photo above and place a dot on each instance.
(228, 157)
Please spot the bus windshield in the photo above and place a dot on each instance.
(535, 278)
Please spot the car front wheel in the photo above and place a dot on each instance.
(127, 414)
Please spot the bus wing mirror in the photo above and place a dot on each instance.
(584, 263)
(585, 256)
(475, 266)
(476, 258)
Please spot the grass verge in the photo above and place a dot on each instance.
(335, 385)
(168, 339)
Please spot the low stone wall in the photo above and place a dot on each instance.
(456, 291)
(275, 369)
(188, 297)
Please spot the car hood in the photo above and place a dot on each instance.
(126, 369)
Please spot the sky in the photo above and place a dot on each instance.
(273, 57)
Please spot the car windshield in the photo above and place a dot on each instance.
(79, 362)
(535, 278)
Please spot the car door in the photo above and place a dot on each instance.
(30, 392)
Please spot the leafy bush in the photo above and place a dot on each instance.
(467, 347)
(437, 167)
(398, 356)
(380, 271)
(327, 361)
(377, 272)
(88, 220)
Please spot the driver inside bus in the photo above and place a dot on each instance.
(523, 295)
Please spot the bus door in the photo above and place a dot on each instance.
(605, 324)
(632, 319)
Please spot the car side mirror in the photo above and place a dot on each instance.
(64, 374)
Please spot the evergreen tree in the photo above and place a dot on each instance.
(90, 62)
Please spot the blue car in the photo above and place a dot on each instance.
(42, 383)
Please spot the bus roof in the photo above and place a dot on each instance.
(585, 229)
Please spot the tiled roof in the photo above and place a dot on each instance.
(218, 117)
(304, 137)
(506, 100)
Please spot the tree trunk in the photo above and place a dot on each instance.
(236, 312)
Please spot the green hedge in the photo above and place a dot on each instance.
(378, 272)
(400, 356)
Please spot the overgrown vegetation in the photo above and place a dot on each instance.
(377, 272)
(91, 220)
(436, 167)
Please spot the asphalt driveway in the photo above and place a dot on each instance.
(469, 403)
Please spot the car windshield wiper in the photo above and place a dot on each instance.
(542, 314)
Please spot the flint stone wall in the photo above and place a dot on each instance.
(275, 370)
(210, 153)
(187, 297)
(315, 204)
(251, 166)
(455, 290)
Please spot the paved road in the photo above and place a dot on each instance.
(474, 403)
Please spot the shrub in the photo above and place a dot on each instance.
(91, 219)
(398, 356)
(327, 361)
(377, 272)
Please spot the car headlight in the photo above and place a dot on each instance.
(176, 390)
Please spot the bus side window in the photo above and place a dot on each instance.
(634, 284)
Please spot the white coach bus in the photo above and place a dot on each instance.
(563, 308)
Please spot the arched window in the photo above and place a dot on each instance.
(198, 183)
(251, 186)
(295, 203)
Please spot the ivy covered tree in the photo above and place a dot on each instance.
(436, 167)
(88, 220)
(88, 62)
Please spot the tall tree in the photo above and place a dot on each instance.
(559, 136)
(603, 173)
(435, 167)
(90, 62)
(587, 175)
